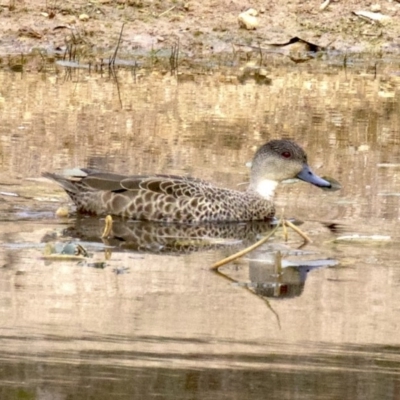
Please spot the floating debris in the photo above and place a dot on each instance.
(363, 147)
(394, 194)
(71, 64)
(388, 165)
(363, 238)
(121, 270)
(65, 251)
(62, 212)
(11, 194)
(97, 265)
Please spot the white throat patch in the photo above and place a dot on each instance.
(266, 188)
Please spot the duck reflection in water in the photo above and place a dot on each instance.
(264, 277)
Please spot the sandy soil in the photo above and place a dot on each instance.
(204, 28)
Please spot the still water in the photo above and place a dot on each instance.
(153, 323)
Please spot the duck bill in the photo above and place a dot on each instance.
(307, 175)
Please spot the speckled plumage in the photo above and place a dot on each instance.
(182, 199)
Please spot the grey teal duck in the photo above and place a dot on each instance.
(181, 199)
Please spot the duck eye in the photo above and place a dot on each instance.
(286, 154)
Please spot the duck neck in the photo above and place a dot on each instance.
(264, 188)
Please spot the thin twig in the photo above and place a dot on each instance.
(167, 11)
(298, 231)
(173, 59)
(108, 223)
(244, 251)
(112, 60)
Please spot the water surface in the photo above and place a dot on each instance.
(155, 324)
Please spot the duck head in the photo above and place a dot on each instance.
(277, 161)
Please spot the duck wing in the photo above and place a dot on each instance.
(172, 185)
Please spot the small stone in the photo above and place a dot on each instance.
(248, 19)
(84, 17)
(375, 7)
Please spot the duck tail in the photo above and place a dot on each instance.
(65, 182)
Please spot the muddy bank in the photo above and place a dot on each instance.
(203, 30)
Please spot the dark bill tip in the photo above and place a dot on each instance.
(335, 185)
